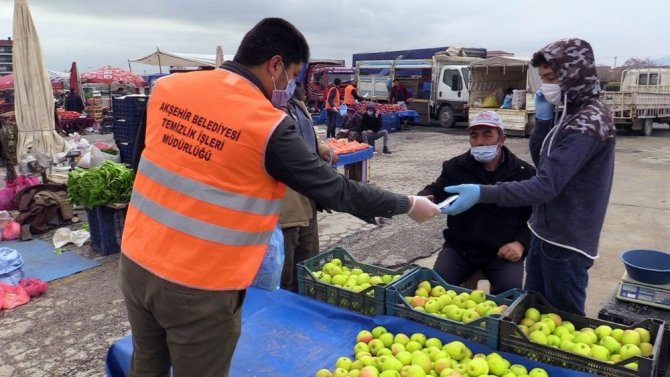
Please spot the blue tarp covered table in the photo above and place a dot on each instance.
(284, 334)
(410, 115)
(355, 164)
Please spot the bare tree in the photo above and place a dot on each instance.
(637, 63)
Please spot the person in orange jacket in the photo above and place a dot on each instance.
(217, 156)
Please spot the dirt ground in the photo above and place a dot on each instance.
(67, 332)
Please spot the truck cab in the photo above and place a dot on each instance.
(320, 79)
(450, 100)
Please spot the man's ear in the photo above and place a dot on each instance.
(274, 65)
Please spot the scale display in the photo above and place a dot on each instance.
(632, 290)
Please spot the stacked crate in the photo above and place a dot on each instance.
(94, 108)
(128, 114)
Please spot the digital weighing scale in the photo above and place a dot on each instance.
(644, 293)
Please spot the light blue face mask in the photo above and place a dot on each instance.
(280, 97)
(484, 153)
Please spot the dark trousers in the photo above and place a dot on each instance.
(370, 138)
(332, 121)
(300, 243)
(191, 330)
(454, 266)
(559, 274)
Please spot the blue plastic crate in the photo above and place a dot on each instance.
(483, 330)
(106, 228)
(391, 122)
(129, 106)
(126, 151)
(125, 130)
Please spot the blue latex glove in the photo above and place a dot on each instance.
(543, 109)
(469, 196)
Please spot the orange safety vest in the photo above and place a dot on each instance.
(349, 99)
(203, 207)
(336, 101)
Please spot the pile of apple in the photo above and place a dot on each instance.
(379, 353)
(602, 343)
(353, 279)
(461, 307)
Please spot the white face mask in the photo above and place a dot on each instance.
(371, 113)
(552, 92)
(484, 153)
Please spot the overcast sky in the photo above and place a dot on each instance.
(109, 32)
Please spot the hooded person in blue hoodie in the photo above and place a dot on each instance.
(574, 157)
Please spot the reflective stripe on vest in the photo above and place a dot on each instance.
(203, 207)
(349, 99)
(336, 101)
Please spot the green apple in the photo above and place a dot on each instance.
(401, 338)
(553, 340)
(599, 352)
(497, 310)
(377, 331)
(423, 361)
(462, 368)
(615, 358)
(533, 314)
(611, 344)
(560, 330)
(404, 357)
(582, 349)
(478, 296)
(390, 373)
(518, 369)
(386, 278)
(387, 339)
(356, 271)
(369, 371)
(323, 373)
(538, 336)
(415, 371)
(339, 280)
(392, 363)
(524, 330)
(432, 306)
(566, 345)
(470, 304)
(569, 325)
(444, 300)
(368, 361)
(556, 318)
(438, 291)
(550, 324)
(498, 365)
(325, 278)
(583, 337)
(527, 322)
(344, 363)
(455, 349)
(336, 261)
(452, 293)
(646, 348)
(340, 372)
(376, 280)
(449, 372)
(335, 270)
(538, 372)
(645, 336)
(364, 336)
(360, 355)
(616, 334)
(396, 348)
(363, 278)
(418, 337)
(603, 331)
(469, 315)
(632, 365)
(631, 337)
(482, 309)
(441, 364)
(460, 301)
(477, 367)
(629, 350)
(422, 292)
(437, 353)
(413, 345)
(425, 285)
(375, 345)
(540, 326)
(326, 267)
(384, 352)
(433, 342)
(569, 337)
(418, 301)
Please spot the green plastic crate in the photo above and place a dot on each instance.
(483, 330)
(362, 302)
(513, 340)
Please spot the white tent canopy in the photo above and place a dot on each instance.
(181, 59)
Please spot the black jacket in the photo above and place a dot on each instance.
(288, 160)
(485, 227)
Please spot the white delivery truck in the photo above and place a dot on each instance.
(491, 78)
(438, 86)
(643, 98)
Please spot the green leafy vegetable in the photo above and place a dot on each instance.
(108, 183)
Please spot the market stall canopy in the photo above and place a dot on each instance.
(181, 59)
(58, 80)
(112, 75)
(34, 101)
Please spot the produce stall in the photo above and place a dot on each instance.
(284, 334)
(353, 156)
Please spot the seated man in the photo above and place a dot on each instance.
(488, 238)
(371, 124)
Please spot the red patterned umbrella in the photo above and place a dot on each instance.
(57, 79)
(112, 75)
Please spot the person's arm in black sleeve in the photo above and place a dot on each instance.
(377, 123)
(288, 160)
(139, 141)
(437, 188)
(356, 96)
(537, 136)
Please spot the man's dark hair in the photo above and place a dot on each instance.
(270, 37)
(538, 59)
(396, 80)
(337, 81)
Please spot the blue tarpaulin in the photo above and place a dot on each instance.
(284, 334)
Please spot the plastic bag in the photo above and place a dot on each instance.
(11, 231)
(519, 99)
(11, 266)
(269, 275)
(65, 235)
(12, 296)
(11, 188)
(98, 157)
(5, 218)
(343, 110)
(34, 286)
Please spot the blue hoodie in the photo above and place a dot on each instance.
(574, 159)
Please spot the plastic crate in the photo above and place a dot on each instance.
(106, 228)
(513, 340)
(125, 130)
(129, 106)
(390, 122)
(126, 151)
(483, 330)
(309, 285)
